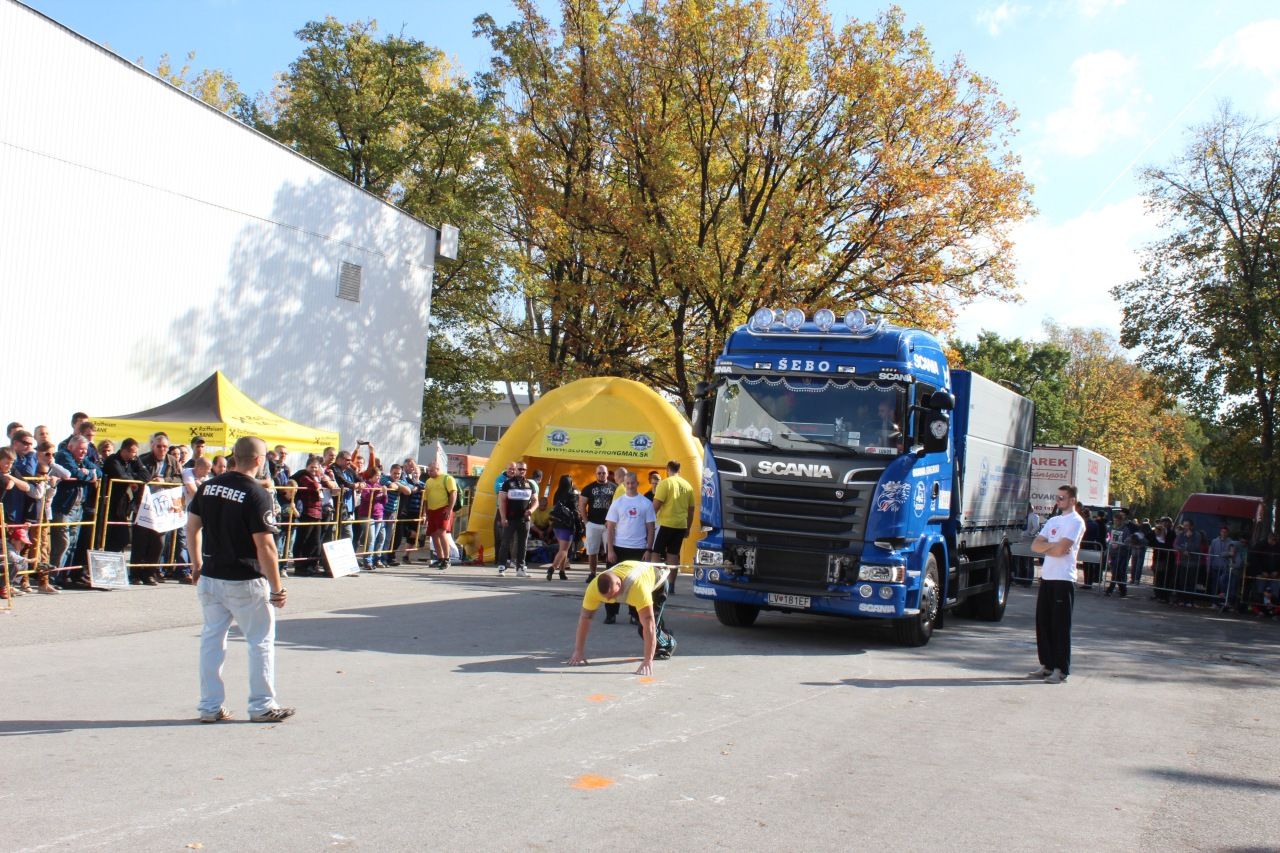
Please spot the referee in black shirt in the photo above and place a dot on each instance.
(237, 576)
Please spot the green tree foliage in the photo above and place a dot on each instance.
(1115, 407)
(1206, 311)
(211, 85)
(673, 165)
(1036, 370)
(392, 116)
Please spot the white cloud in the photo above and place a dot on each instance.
(1067, 271)
(997, 19)
(1103, 104)
(1255, 47)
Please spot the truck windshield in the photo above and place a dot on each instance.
(811, 415)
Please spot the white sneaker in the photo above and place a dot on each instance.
(1055, 677)
(521, 573)
(502, 570)
(1042, 672)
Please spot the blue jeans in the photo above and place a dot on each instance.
(62, 540)
(1136, 565)
(249, 604)
(373, 541)
(1228, 585)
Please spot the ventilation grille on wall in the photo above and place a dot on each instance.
(349, 279)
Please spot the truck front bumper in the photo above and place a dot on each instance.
(861, 600)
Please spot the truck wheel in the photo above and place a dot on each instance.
(916, 630)
(989, 606)
(736, 615)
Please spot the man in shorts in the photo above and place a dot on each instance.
(593, 505)
(673, 507)
(640, 585)
(441, 493)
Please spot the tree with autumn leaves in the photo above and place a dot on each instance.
(674, 165)
(1088, 392)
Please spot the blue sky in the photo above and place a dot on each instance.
(1103, 87)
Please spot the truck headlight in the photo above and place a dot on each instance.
(705, 557)
(881, 574)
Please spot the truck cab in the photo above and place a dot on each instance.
(830, 479)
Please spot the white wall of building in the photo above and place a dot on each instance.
(147, 240)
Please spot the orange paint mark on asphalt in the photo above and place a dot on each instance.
(591, 783)
(601, 697)
(646, 679)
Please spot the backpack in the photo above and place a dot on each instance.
(564, 516)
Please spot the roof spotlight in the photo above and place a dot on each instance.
(824, 319)
(856, 320)
(793, 319)
(762, 320)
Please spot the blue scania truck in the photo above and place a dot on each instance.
(849, 472)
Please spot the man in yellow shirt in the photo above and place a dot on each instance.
(642, 586)
(441, 493)
(673, 504)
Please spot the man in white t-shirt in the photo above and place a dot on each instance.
(1059, 542)
(628, 531)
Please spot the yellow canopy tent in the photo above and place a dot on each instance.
(220, 413)
(573, 429)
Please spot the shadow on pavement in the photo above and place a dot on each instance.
(1213, 780)
(522, 625)
(12, 728)
(880, 683)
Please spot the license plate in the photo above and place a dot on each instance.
(781, 600)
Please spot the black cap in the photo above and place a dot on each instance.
(199, 439)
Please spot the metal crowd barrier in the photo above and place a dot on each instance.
(35, 557)
(1185, 577)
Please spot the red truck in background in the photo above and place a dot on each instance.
(1240, 513)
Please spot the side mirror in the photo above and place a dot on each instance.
(941, 401)
(700, 390)
(937, 431)
(699, 419)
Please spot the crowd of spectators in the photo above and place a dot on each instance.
(1188, 566)
(62, 500)
(606, 520)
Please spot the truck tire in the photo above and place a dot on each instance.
(736, 615)
(916, 630)
(989, 606)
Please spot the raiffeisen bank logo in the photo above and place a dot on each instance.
(793, 469)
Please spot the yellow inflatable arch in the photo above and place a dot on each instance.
(573, 429)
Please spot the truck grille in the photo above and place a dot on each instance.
(795, 526)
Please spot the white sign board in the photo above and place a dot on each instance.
(340, 557)
(108, 570)
(162, 510)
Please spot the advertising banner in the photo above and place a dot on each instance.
(620, 445)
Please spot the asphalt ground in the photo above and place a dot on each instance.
(435, 713)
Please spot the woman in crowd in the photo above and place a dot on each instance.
(306, 543)
(1162, 560)
(654, 480)
(564, 523)
(370, 510)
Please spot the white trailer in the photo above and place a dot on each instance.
(1054, 465)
